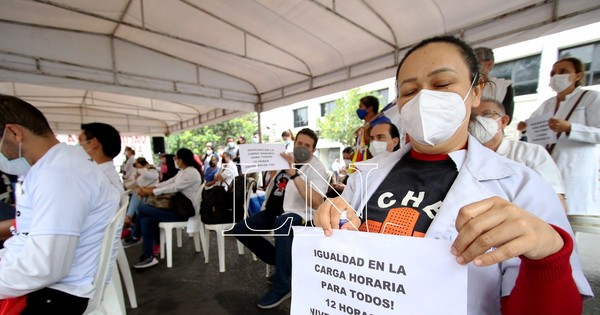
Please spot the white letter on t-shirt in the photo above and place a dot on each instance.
(382, 204)
(410, 195)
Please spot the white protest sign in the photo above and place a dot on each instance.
(369, 273)
(538, 131)
(262, 157)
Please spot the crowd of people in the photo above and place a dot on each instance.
(506, 202)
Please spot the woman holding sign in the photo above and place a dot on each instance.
(445, 185)
(576, 120)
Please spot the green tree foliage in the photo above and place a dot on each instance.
(341, 124)
(196, 139)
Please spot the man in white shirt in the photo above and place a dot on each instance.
(487, 125)
(64, 209)
(102, 142)
(292, 196)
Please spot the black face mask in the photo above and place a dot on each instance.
(212, 164)
(301, 154)
(223, 161)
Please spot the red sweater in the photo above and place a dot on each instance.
(545, 286)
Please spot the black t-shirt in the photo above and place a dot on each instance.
(408, 199)
(274, 203)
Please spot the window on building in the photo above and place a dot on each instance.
(522, 72)
(382, 95)
(301, 117)
(589, 54)
(327, 108)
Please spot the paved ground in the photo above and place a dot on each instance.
(193, 287)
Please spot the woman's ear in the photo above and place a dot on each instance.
(476, 94)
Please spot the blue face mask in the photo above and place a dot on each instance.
(18, 166)
(361, 113)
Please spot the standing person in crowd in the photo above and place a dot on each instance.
(505, 222)
(208, 154)
(368, 109)
(146, 175)
(292, 195)
(231, 147)
(288, 139)
(385, 137)
(335, 168)
(49, 265)
(188, 182)
(576, 121)
(488, 121)
(495, 88)
(127, 169)
(167, 167)
(255, 138)
(102, 142)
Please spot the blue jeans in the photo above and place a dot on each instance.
(146, 226)
(279, 255)
(134, 203)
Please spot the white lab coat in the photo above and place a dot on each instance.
(576, 155)
(535, 157)
(482, 174)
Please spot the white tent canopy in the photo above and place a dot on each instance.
(162, 66)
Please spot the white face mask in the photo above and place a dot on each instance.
(377, 147)
(432, 117)
(18, 166)
(347, 162)
(483, 128)
(560, 82)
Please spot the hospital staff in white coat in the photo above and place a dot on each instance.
(491, 208)
(575, 152)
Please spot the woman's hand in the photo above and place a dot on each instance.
(328, 216)
(146, 191)
(512, 231)
(559, 125)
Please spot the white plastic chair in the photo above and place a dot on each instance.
(108, 295)
(166, 232)
(123, 263)
(221, 228)
(584, 224)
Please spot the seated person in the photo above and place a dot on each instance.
(226, 174)
(146, 175)
(49, 265)
(188, 182)
(487, 125)
(288, 202)
(505, 222)
(211, 171)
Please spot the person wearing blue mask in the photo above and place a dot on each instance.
(503, 221)
(231, 147)
(65, 205)
(368, 112)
